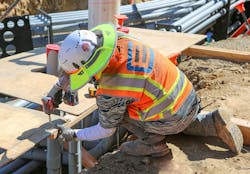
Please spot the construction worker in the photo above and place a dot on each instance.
(139, 89)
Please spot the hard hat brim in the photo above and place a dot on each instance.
(94, 64)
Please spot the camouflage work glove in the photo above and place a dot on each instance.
(65, 133)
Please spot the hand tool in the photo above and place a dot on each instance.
(71, 98)
(48, 106)
(92, 91)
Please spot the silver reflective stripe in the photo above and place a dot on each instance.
(165, 103)
(121, 80)
(117, 80)
(137, 53)
(144, 54)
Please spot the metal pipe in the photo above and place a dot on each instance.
(151, 5)
(35, 154)
(13, 166)
(52, 59)
(53, 162)
(82, 15)
(18, 103)
(207, 22)
(40, 155)
(27, 168)
(79, 156)
(168, 13)
(202, 15)
(194, 13)
(75, 157)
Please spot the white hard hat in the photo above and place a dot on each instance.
(76, 49)
(85, 53)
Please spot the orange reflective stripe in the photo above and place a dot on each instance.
(171, 76)
(155, 117)
(158, 93)
(182, 98)
(73, 72)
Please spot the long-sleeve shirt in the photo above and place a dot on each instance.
(111, 113)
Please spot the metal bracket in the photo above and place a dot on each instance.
(48, 20)
(14, 32)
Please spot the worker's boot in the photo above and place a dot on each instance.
(139, 148)
(217, 123)
(146, 144)
(227, 131)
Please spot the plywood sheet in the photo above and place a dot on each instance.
(24, 62)
(18, 80)
(33, 86)
(21, 129)
(166, 42)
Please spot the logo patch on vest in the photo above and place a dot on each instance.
(143, 59)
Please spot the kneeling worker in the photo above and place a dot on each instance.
(138, 89)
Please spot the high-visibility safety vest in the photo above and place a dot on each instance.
(137, 71)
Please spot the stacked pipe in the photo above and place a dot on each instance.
(203, 16)
(145, 15)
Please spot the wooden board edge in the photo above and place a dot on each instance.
(11, 154)
(212, 52)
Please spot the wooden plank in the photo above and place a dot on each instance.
(25, 62)
(33, 86)
(21, 129)
(166, 42)
(18, 80)
(244, 126)
(211, 52)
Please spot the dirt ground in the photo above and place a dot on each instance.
(219, 83)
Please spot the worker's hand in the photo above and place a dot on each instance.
(57, 98)
(56, 94)
(48, 105)
(52, 101)
(66, 134)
